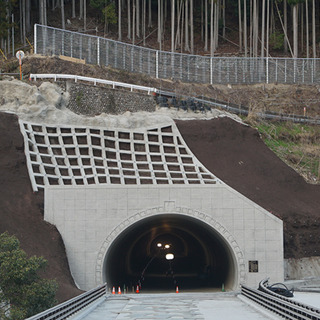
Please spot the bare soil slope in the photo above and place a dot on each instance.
(236, 154)
(21, 210)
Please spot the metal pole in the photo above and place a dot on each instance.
(35, 38)
(157, 64)
(267, 70)
(98, 52)
(211, 71)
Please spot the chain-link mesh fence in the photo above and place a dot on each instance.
(167, 65)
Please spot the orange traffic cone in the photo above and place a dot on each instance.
(137, 291)
(119, 290)
(177, 289)
(113, 290)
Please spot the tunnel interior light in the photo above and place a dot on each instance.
(159, 244)
(169, 256)
(167, 246)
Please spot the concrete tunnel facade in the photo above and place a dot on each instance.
(218, 237)
(114, 194)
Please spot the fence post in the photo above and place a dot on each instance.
(98, 52)
(157, 64)
(312, 71)
(71, 47)
(267, 70)
(285, 70)
(211, 71)
(35, 38)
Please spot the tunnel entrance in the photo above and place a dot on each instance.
(161, 252)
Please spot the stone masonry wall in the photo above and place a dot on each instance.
(93, 100)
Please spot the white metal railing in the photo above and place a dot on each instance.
(286, 308)
(76, 78)
(172, 65)
(70, 307)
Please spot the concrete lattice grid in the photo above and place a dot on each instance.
(70, 155)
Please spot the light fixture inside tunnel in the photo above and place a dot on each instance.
(169, 256)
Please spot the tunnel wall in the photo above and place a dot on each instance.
(90, 218)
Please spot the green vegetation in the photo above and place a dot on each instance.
(79, 98)
(296, 144)
(23, 293)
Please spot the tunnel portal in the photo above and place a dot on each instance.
(201, 260)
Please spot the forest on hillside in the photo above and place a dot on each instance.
(249, 28)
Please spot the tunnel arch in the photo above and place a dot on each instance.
(209, 238)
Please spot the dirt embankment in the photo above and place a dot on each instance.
(236, 154)
(21, 210)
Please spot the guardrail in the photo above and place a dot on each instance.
(76, 78)
(285, 307)
(230, 107)
(70, 307)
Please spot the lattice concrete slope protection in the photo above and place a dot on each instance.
(69, 155)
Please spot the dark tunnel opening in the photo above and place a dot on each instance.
(199, 258)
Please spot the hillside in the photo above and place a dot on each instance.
(233, 152)
(21, 210)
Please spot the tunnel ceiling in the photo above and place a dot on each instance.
(202, 258)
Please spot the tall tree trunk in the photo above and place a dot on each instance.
(21, 21)
(201, 22)
(85, 14)
(162, 22)
(251, 28)
(245, 35)
(129, 19)
(206, 25)
(263, 27)
(255, 31)
(240, 25)
(295, 31)
(159, 21)
(307, 29)
(268, 28)
(186, 26)
(285, 22)
(24, 20)
(144, 13)
(73, 9)
(62, 15)
(211, 29)
(138, 18)
(45, 12)
(150, 15)
(41, 12)
(314, 47)
(178, 38)
(119, 21)
(81, 10)
(27, 17)
(224, 18)
(216, 25)
(191, 27)
(301, 6)
(172, 24)
(133, 21)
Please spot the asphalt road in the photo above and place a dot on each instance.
(195, 306)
